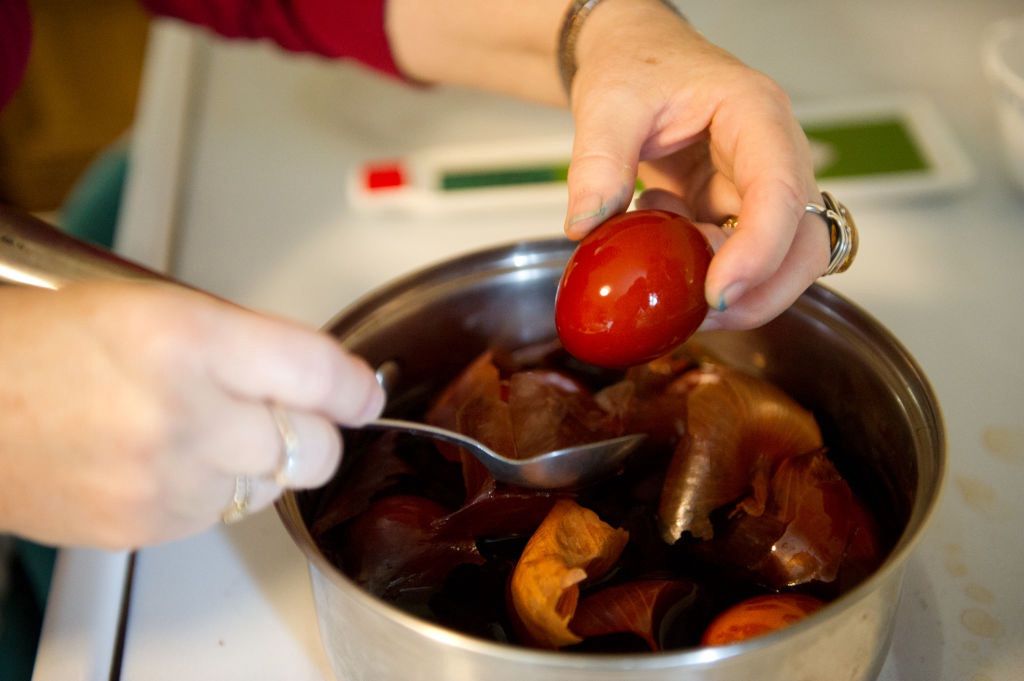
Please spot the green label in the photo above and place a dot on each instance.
(859, 148)
(502, 177)
(840, 149)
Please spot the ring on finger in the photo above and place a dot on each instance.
(842, 233)
(239, 506)
(283, 475)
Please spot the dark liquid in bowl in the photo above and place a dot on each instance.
(473, 597)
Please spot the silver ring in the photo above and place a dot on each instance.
(842, 233)
(290, 445)
(239, 506)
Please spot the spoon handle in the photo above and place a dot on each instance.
(430, 431)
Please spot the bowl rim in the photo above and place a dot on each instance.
(532, 253)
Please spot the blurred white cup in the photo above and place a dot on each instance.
(1003, 54)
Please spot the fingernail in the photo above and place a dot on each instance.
(374, 406)
(711, 322)
(729, 295)
(587, 212)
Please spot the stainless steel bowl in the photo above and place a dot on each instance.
(872, 400)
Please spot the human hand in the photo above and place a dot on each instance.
(128, 410)
(651, 95)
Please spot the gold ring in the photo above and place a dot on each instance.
(239, 506)
(842, 233)
(731, 224)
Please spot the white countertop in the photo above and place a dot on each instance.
(245, 151)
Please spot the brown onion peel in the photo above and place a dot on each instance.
(742, 448)
(814, 501)
(498, 511)
(551, 411)
(393, 546)
(519, 416)
(375, 471)
(736, 425)
(635, 607)
(471, 404)
(571, 545)
(479, 380)
(812, 529)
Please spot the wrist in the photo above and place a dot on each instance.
(631, 27)
(501, 47)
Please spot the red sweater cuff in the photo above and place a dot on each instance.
(15, 38)
(332, 28)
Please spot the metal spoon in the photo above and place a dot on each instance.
(563, 468)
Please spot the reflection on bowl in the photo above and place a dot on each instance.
(873, 404)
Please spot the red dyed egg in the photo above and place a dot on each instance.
(633, 289)
(757, 616)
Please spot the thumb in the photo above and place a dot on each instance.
(602, 171)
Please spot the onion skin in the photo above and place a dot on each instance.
(471, 404)
(738, 427)
(550, 411)
(520, 416)
(393, 546)
(816, 503)
(376, 471)
(497, 511)
(480, 381)
(812, 529)
(571, 545)
(634, 607)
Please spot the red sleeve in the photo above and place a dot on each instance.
(15, 37)
(332, 28)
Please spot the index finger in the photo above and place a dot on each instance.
(268, 359)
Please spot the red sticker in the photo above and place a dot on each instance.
(384, 176)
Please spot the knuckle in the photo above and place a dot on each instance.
(612, 94)
(147, 430)
(788, 194)
(597, 155)
(772, 91)
(163, 325)
(173, 344)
